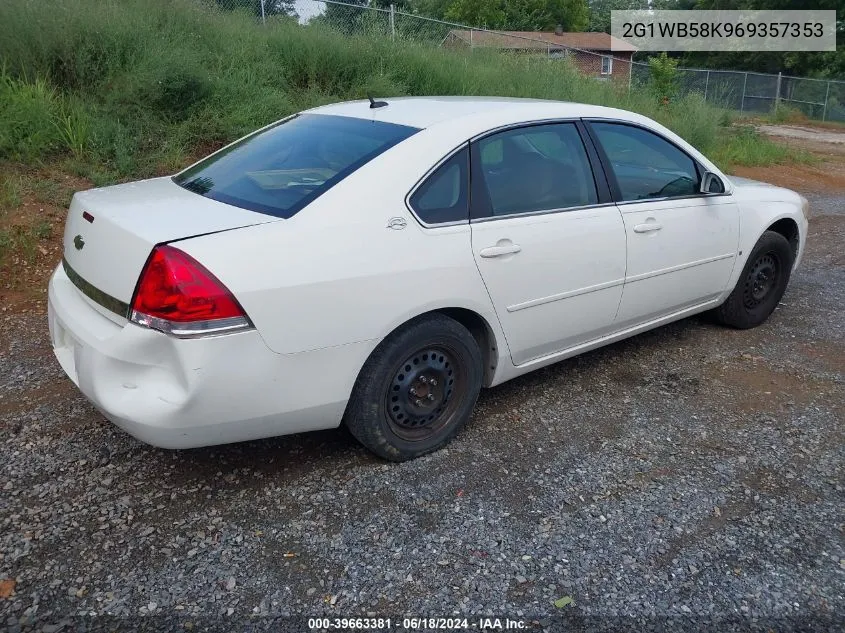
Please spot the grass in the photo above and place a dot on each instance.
(121, 89)
(10, 192)
(19, 183)
(788, 115)
(50, 192)
(742, 145)
(22, 241)
(785, 115)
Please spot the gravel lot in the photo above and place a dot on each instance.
(690, 475)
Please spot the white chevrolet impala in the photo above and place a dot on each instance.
(376, 264)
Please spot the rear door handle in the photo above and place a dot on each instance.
(499, 250)
(648, 227)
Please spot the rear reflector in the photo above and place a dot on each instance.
(179, 296)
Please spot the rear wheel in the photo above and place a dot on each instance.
(417, 389)
(761, 284)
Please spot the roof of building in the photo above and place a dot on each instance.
(425, 112)
(543, 40)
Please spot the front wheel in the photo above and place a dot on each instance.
(761, 284)
(417, 389)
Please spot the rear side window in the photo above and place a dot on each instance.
(280, 170)
(645, 164)
(443, 197)
(530, 169)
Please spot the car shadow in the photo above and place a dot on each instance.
(294, 456)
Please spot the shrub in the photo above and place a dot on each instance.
(663, 75)
(133, 88)
(27, 112)
(787, 114)
(170, 86)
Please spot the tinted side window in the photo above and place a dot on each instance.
(646, 165)
(443, 197)
(536, 168)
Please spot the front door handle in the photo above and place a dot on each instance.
(504, 247)
(648, 227)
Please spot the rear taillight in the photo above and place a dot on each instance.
(177, 295)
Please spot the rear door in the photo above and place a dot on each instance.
(681, 243)
(549, 243)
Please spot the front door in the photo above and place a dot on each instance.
(681, 243)
(550, 249)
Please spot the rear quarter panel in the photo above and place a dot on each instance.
(335, 274)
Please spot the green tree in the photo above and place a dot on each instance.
(340, 17)
(399, 5)
(430, 8)
(573, 15)
(830, 64)
(520, 15)
(663, 73)
(271, 7)
(483, 13)
(280, 7)
(599, 12)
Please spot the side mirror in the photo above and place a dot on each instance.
(711, 183)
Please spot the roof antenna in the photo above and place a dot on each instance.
(375, 104)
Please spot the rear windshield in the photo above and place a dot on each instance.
(283, 168)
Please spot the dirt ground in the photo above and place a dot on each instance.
(690, 478)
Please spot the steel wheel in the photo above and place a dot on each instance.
(417, 389)
(762, 278)
(761, 284)
(420, 399)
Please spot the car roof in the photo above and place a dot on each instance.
(426, 112)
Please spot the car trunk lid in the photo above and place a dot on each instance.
(110, 232)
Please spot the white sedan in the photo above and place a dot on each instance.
(376, 264)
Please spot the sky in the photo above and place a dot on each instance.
(306, 9)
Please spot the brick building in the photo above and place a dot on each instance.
(591, 52)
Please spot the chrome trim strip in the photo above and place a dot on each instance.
(519, 124)
(565, 295)
(171, 328)
(95, 294)
(696, 196)
(191, 330)
(490, 218)
(672, 269)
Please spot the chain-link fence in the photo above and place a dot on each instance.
(744, 92)
(750, 92)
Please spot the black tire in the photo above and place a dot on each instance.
(761, 284)
(416, 390)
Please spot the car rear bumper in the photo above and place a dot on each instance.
(182, 393)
